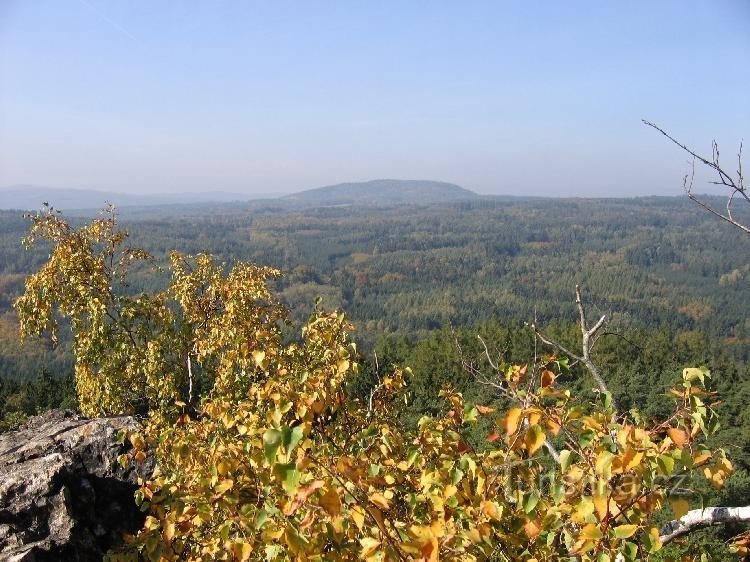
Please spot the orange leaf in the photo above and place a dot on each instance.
(553, 426)
(678, 436)
(532, 529)
(301, 497)
(492, 437)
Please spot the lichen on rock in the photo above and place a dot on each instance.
(63, 495)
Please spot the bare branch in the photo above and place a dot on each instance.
(190, 381)
(552, 343)
(589, 336)
(699, 518)
(552, 451)
(725, 179)
(487, 354)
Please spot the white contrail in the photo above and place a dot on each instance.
(104, 17)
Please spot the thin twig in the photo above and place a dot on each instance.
(725, 179)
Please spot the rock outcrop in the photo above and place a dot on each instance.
(63, 495)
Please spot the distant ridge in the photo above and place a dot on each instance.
(31, 197)
(382, 192)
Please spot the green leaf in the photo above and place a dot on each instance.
(471, 414)
(456, 475)
(565, 460)
(692, 373)
(666, 464)
(630, 550)
(271, 444)
(558, 492)
(260, 519)
(289, 476)
(625, 531)
(529, 501)
(585, 438)
(291, 438)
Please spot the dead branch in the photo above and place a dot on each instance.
(699, 518)
(589, 337)
(734, 183)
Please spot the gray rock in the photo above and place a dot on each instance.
(63, 495)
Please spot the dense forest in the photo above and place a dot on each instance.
(451, 292)
(656, 266)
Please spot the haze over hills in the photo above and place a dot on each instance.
(382, 192)
(31, 197)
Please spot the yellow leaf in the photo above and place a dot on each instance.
(492, 510)
(379, 500)
(655, 539)
(225, 485)
(242, 550)
(631, 459)
(603, 465)
(534, 416)
(511, 420)
(700, 458)
(553, 426)
(532, 529)
(342, 366)
(258, 357)
(223, 467)
(137, 441)
(358, 516)
(534, 439)
(680, 506)
(168, 532)
(600, 497)
(331, 502)
(301, 497)
(591, 532)
(369, 546)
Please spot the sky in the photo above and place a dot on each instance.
(521, 98)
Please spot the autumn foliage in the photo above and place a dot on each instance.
(261, 455)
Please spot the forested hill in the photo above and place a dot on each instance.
(383, 193)
(376, 193)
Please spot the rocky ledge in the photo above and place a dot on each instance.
(63, 495)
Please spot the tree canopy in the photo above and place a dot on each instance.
(263, 455)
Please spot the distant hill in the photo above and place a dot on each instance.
(31, 197)
(382, 192)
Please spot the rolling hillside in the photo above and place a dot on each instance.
(382, 193)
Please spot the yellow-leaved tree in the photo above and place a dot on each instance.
(260, 455)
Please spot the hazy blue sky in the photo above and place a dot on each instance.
(501, 97)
